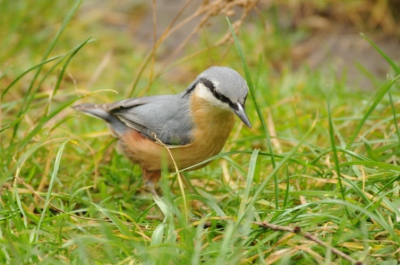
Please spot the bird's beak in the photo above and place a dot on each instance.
(242, 114)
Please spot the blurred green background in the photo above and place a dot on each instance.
(68, 197)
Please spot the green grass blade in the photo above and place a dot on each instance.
(333, 145)
(259, 113)
(23, 158)
(207, 201)
(64, 67)
(358, 191)
(376, 164)
(249, 181)
(396, 125)
(226, 243)
(14, 122)
(387, 58)
(44, 120)
(50, 189)
(276, 169)
(390, 183)
(46, 54)
(380, 221)
(27, 71)
(61, 30)
(378, 97)
(280, 157)
(121, 227)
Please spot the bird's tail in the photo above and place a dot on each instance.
(95, 110)
(100, 111)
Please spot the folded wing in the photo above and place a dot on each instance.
(166, 116)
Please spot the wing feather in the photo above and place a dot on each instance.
(167, 116)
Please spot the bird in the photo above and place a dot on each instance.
(194, 124)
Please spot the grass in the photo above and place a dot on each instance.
(314, 182)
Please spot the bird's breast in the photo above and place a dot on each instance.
(211, 129)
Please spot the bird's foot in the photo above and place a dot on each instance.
(152, 188)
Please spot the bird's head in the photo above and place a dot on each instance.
(224, 88)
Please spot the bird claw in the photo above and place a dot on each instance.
(151, 187)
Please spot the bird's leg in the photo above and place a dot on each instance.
(151, 179)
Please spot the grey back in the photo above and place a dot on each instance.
(167, 116)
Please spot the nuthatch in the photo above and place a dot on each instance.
(194, 125)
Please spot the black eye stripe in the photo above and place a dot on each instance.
(208, 84)
(217, 95)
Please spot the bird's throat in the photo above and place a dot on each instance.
(212, 125)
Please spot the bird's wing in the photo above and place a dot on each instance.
(130, 103)
(168, 117)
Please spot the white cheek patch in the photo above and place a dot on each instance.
(203, 92)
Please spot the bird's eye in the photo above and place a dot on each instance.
(233, 105)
